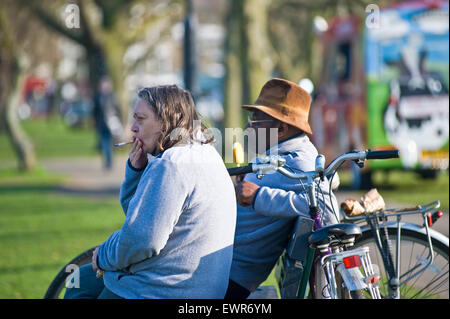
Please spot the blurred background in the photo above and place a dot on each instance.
(377, 71)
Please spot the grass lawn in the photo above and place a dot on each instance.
(40, 230)
(408, 188)
(53, 138)
(47, 137)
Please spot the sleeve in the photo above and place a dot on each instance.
(150, 218)
(278, 203)
(129, 185)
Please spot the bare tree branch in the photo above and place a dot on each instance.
(52, 22)
(151, 19)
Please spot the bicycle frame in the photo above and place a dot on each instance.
(329, 262)
(275, 163)
(396, 280)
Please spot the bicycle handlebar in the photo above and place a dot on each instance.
(273, 163)
(240, 170)
(382, 154)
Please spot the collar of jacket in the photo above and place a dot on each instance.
(288, 144)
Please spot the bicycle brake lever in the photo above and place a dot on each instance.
(259, 174)
(360, 163)
(269, 163)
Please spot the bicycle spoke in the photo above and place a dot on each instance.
(384, 282)
(406, 288)
(379, 263)
(411, 258)
(416, 281)
(430, 284)
(416, 266)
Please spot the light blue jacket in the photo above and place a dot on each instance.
(177, 238)
(262, 230)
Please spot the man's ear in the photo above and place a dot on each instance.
(283, 130)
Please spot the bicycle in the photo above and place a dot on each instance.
(418, 266)
(313, 247)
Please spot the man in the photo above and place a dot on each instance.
(106, 115)
(267, 208)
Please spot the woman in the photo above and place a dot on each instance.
(177, 238)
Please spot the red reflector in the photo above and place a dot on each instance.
(373, 279)
(352, 261)
(430, 220)
(440, 214)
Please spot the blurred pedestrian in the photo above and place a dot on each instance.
(107, 120)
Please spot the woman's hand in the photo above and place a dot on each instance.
(138, 158)
(94, 259)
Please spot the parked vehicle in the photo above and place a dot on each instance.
(386, 87)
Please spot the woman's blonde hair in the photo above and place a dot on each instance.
(175, 109)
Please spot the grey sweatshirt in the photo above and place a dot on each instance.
(262, 230)
(177, 238)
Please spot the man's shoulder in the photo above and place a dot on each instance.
(301, 155)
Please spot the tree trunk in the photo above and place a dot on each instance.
(248, 56)
(233, 79)
(257, 48)
(20, 142)
(11, 82)
(114, 59)
(96, 53)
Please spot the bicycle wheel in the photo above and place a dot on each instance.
(432, 283)
(58, 284)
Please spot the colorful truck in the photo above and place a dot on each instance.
(385, 85)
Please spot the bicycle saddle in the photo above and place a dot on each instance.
(329, 233)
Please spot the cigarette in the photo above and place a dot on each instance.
(123, 143)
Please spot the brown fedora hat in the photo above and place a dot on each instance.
(285, 101)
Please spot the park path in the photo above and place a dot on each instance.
(86, 177)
